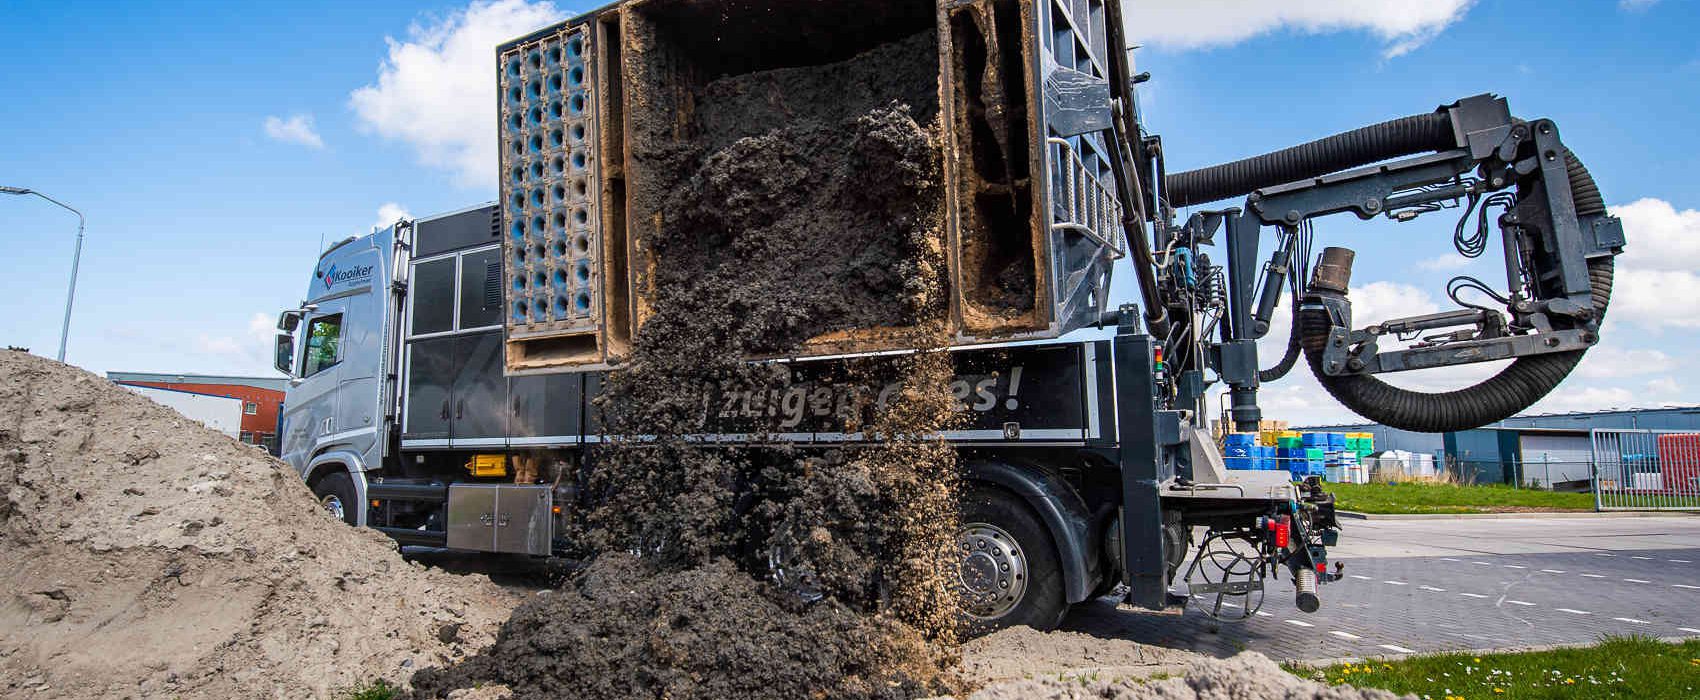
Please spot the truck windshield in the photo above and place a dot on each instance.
(323, 336)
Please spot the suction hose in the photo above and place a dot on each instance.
(1515, 388)
(1422, 133)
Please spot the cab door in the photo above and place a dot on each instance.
(310, 414)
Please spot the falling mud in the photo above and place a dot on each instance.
(767, 568)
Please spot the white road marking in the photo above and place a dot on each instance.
(1593, 576)
(1678, 561)
(1684, 585)
(1574, 611)
(1473, 595)
(1643, 558)
(1689, 630)
(1482, 563)
(1630, 620)
(1360, 578)
(1260, 613)
(1603, 554)
(1552, 571)
(1520, 602)
(1227, 604)
(1432, 588)
(1447, 559)
(1636, 580)
(1345, 635)
(1397, 648)
(1514, 566)
(1300, 623)
(1394, 583)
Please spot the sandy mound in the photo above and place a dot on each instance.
(1022, 652)
(145, 555)
(1249, 676)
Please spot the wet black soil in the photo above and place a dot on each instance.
(618, 631)
(820, 188)
(811, 204)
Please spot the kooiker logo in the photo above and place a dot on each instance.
(332, 276)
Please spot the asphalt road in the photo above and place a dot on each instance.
(1416, 586)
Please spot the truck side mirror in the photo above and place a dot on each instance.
(289, 320)
(285, 357)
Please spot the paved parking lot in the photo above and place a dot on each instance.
(1434, 585)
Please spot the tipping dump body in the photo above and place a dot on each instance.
(659, 140)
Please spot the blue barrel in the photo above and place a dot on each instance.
(1239, 445)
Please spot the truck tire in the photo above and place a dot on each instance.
(1010, 572)
(336, 495)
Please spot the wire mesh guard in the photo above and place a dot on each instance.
(1226, 577)
(548, 181)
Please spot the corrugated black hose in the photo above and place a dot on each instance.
(1422, 133)
(1515, 388)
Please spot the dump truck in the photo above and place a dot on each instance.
(429, 357)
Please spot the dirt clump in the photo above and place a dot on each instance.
(765, 567)
(1248, 676)
(146, 555)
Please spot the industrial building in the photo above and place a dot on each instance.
(262, 398)
(1550, 450)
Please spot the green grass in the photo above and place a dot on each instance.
(379, 689)
(1420, 497)
(1619, 667)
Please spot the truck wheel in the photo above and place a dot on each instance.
(1010, 573)
(336, 495)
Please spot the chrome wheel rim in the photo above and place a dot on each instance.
(333, 505)
(993, 574)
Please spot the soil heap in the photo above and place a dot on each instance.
(144, 555)
(811, 205)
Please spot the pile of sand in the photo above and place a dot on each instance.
(145, 555)
(1249, 676)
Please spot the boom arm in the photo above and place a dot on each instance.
(1558, 241)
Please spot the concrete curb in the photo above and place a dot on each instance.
(1321, 663)
(1509, 516)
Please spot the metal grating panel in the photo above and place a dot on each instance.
(552, 241)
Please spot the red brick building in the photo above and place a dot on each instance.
(262, 397)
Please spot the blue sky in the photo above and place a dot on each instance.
(214, 145)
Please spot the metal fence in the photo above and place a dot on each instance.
(1646, 470)
(1542, 475)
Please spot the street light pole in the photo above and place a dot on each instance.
(76, 260)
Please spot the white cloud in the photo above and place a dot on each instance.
(248, 351)
(1612, 360)
(1656, 281)
(1447, 262)
(297, 129)
(1403, 26)
(436, 90)
(1635, 5)
(390, 213)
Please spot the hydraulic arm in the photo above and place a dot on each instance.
(1557, 239)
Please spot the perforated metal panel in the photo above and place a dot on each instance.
(551, 239)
